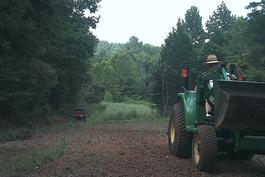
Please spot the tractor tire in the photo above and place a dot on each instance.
(179, 140)
(204, 148)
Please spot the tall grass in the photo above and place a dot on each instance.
(20, 133)
(23, 133)
(106, 111)
(23, 163)
(123, 112)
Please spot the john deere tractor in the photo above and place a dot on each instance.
(235, 125)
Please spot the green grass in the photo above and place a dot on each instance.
(123, 112)
(23, 133)
(24, 163)
(15, 134)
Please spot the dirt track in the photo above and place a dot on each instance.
(133, 149)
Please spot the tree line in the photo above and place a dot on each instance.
(45, 52)
(126, 70)
(50, 61)
(234, 40)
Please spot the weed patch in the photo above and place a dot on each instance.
(123, 112)
(22, 164)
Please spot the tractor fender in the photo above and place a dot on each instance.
(188, 100)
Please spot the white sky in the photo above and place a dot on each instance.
(152, 20)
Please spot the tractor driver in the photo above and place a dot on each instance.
(209, 104)
(211, 63)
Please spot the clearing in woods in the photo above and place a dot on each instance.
(124, 149)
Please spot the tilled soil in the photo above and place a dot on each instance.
(133, 150)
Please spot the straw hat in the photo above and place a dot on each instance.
(212, 59)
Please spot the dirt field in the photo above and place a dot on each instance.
(126, 149)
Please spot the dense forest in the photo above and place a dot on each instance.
(45, 52)
(50, 61)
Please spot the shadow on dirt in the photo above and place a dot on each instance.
(232, 166)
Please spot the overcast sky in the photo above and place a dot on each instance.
(152, 20)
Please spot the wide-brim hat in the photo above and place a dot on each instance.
(212, 59)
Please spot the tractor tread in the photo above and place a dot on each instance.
(208, 148)
(183, 142)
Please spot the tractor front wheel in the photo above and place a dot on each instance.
(204, 148)
(179, 140)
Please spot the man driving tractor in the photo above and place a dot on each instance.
(210, 63)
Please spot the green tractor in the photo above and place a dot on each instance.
(235, 126)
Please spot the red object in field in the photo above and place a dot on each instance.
(79, 114)
(184, 73)
(240, 77)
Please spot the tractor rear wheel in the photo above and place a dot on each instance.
(179, 140)
(204, 148)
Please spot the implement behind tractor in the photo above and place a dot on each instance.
(235, 125)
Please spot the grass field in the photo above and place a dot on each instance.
(23, 163)
(106, 112)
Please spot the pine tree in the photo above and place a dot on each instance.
(256, 41)
(217, 28)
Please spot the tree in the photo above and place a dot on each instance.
(45, 48)
(217, 28)
(126, 69)
(174, 54)
(256, 38)
(134, 45)
(236, 49)
(219, 24)
(193, 22)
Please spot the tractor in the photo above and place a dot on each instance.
(235, 126)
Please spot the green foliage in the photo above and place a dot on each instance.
(236, 46)
(45, 48)
(22, 164)
(126, 69)
(27, 132)
(91, 91)
(256, 41)
(193, 22)
(106, 50)
(108, 97)
(217, 28)
(176, 52)
(234, 40)
(245, 43)
(123, 112)
(21, 133)
(219, 24)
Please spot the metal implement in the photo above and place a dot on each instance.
(235, 125)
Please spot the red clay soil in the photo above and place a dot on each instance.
(133, 150)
